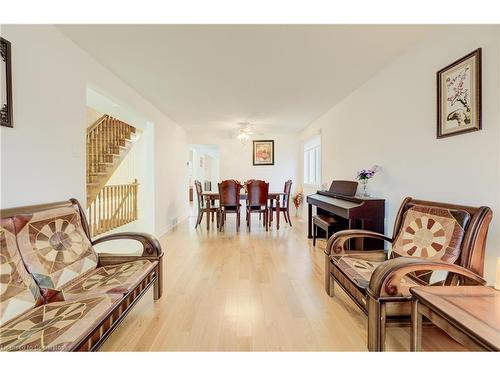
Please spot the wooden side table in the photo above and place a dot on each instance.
(468, 314)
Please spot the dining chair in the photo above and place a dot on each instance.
(245, 184)
(201, 205)
(284, 203)
(229, 202)
(258, 194)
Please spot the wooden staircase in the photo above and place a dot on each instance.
(108, 142)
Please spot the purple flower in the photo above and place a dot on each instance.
(365, 174)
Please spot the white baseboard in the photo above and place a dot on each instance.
(171, 226)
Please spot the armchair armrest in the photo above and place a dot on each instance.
(150, 245)
(386, 279)
(151, 250)
(336, 243)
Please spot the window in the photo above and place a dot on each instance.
(312, 161)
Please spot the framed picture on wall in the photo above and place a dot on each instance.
(263, 152)
(5, 84)
(459, 96)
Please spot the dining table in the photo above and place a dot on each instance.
(212, 196)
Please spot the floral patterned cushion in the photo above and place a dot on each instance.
(119, 279)
(18, 290)
(55, 249)
(57, 326)
(359, 271)
(431, 232)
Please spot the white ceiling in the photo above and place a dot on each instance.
(280, 77)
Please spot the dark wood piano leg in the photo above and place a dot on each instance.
(309, 220)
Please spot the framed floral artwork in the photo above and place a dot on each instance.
(5, 84)
(459, 96)
(263, 152)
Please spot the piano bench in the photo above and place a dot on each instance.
(325, 222)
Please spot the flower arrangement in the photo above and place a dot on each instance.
(363, 176)
(297, 199)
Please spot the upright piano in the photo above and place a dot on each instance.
(353, 212)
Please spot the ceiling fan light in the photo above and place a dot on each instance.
(242, 136)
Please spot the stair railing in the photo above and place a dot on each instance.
(114, 206)
(104, 139)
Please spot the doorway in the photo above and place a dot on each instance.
(204, 166)
(126, 198)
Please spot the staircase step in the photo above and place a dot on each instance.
(102, 162)
(94, 177)
(115, 150)
(104, 158)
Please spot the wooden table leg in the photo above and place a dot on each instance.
(416, 328)
(309, 220)
(271, 204)
(208, 212)
(278, 213)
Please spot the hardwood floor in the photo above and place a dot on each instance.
(250, 292)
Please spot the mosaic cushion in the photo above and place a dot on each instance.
(359, 271)
(57, 326)
(120, 278)
(54, 247)
(18, 290)
(431, 232)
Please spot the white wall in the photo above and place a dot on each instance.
(236, 158)
(43, 156)
(391, 121)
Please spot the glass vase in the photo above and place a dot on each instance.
(364, 185)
